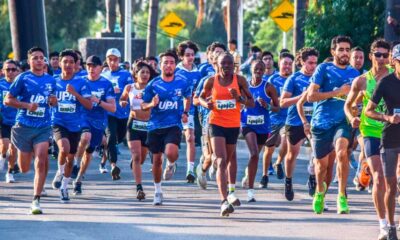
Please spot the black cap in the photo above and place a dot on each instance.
(95, 60)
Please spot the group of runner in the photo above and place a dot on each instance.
(331, 105)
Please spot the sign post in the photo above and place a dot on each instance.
(283, 16)
(172, 24)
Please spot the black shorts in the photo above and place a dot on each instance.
(274, 138)
(371, 146)
(5, 131)
(136, 135)
(60, 132)
(295, 134)
(230, 134)
(261, 138)
(157, 139)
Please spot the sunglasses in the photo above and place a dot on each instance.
(379, 54)
(11, 69)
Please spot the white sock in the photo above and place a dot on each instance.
(170, 163)
(157, 187)
(382, 223)
(61, 168)
(190, 166)
(65, 182)
(231, 187)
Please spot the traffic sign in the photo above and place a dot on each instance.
(172, 24)
(283, 15)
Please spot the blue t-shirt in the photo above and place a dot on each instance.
(296, 84)
(205, 68)
(278, 118)
(329, 77)
(56, 71)
(119, 79)
(169, 110)
(203, 112)
(69, 111)
(103, 89)
(257, 118)
(265, 77)
(8, 113)
(31, 88)
(193, 77)
(81, 73)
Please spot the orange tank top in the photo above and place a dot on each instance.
(226, 111)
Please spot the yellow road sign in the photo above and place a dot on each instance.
(172, 24)
(283, 15)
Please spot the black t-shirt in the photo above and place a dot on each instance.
(389, 89)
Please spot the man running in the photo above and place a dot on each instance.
(169, 98)
(33, 94)
(329, 86)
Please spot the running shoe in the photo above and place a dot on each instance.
(35, 207)
(342, 205)
(102, 168)
(2, 163)
(212, 171)
(310, 168)
(158, 199)
(245, 179)
(75, 171)
(392, 234)
(140, 195)
(279, 171)
(115, 171)
(64, 196)
(56, 184)
(232, 199)
(226, 209)
(289, 194)
(383, 233)
(10, 178)
(318, 203)
(271, 170)
(190, 177)
(169, 171)
(251, 196)
(77, 187)
(201, 179)
(312, 184)
(264, 181)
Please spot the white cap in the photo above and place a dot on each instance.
(113, 52)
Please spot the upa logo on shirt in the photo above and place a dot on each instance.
(168, 105)
(65, 96)
(178, 92)
(38, 99)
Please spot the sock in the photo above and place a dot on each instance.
(139, 187)
(169, 163)
(79, 178)
(382, 223)
(190, 166)
(223, 201)
(61, 168)
(288, 180)
(36, 197)
(231, 187)
(158, 187)
(65, 182)
(10, 170)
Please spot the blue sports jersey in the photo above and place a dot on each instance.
(31, 88)
(56, 71)
(330, 77)
(8, 113)
(296, 84)
(278, 81)
(68, 112)
(265, 77)
(257, 118)
(205, 68)
(193, 77)
(103, 89)
(81, 73)
(169, 110)
(119, 79)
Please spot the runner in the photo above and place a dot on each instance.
(277, 122)
(117, 121)
(103, 101)
(8, 150)
(294, 86)
(138, 121)
(186, 52)
(255, 122)
(371, 130)
(72, 95)
(33, 93)
(225, 89)
(268, 59)
(388, 89)
(168, 97)
(330, 84)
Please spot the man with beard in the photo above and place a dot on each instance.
(330, 130)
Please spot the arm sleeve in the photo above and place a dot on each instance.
(318, 76)
(289, 85)
(16, 87)
(148, 93)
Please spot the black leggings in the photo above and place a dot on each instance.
(115, 133)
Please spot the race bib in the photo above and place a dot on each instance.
(66, 107)
(38, 113)
(114, 83)
(4, 95)
(139, 125)
(308, 111)
(396, 111)
(226, 104)
(255, 120)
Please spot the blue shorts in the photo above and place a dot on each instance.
(324, 139)
(96, 137)
(371, 146)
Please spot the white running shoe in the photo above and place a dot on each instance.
(383, 233)
(245, 179)
(35, 207)
(212, 171)
(232, 199)
(201, 179)
(2, 163)
(158, 199)
(10, 178)
(103, 169)
(56, 184)
(169, 171)
(251, 195)
(310, 168)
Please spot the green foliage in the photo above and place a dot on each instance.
(362, 20)
(5, 34)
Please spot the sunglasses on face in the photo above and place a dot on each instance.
(379, 54)
(11, 69)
